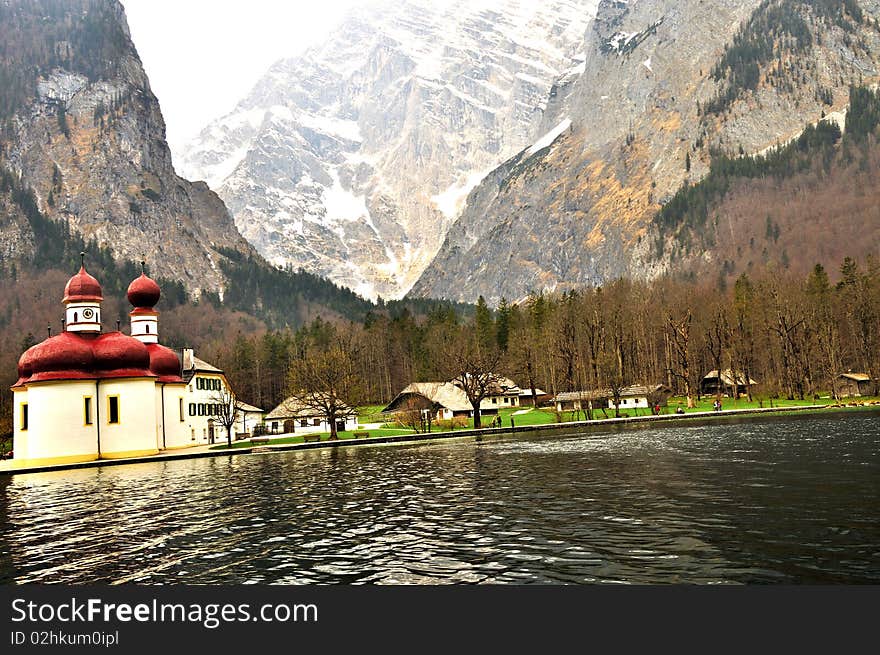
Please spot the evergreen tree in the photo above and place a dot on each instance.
(484, 325)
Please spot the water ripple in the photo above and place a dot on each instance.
(775, 501)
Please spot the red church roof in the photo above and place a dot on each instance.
(82, 287)
(143, 292)
(89, 356)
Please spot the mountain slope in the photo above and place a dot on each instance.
(666, 85)
(352, 159)
(82, 129)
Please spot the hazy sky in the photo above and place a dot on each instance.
(203, 56)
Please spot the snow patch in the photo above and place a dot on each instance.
(346, 129)
(341, 204)
(551, 136)
(620, 40)
(647, 64)
(451, 201)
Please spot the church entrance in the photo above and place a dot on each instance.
(210, 431)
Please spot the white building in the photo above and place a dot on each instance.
(293, 417)
(83, 394)
(503, 392)
(249, 417)
(444, 400)
(209, 397)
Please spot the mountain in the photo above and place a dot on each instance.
(668, 87)
(82, 129)
(352, 160)
(84, 166)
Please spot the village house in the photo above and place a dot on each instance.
(855, 384)
(444, 400)
(503, 392)
(293, 416)
(632, 397)
(208, 393)
(572, 401)
(525, 397)
(249, 417)
(728, 383)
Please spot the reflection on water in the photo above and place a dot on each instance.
(774, 501)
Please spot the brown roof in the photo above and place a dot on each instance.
(292, 408)
(600, 394)
(727, 377)
(444, 394)
(857, 377)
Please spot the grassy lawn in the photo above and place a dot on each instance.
(705, 404)
(384, 432)
(370, 414)
(545, 416)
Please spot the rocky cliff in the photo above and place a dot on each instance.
(352, 160)
(666, 85)
(83, 130)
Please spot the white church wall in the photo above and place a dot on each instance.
(177, 434)
(57, 429)
(136, 410)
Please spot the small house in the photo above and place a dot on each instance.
(638, 397)
(249, 417)
(525, 397)
(632, 397)
(444, 400)
(726, 383)
(570, 401)
(293, 416)
(855, 384)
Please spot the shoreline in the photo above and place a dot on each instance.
(416, 438)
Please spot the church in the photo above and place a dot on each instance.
(85, 394)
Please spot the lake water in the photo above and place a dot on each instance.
(793, 500)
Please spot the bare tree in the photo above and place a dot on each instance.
(410, 414)
(226, 409)
(716, 341)
(326, 381)
(680, 334)
(473, 369)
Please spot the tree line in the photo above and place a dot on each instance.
(793, 336)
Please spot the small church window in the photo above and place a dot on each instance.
(75, 316)
(113, 409)
(87, 410)
(148, 329)
(24, 417)
(180, 405)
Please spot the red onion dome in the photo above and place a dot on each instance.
(25, 366)
(143, 292)
(65, 356)
(119, 355)
(164, 363)
(82, 287)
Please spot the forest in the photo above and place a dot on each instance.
(822, 147)
(777, 34)
(793, 336)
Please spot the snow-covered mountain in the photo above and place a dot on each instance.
(353, 159)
